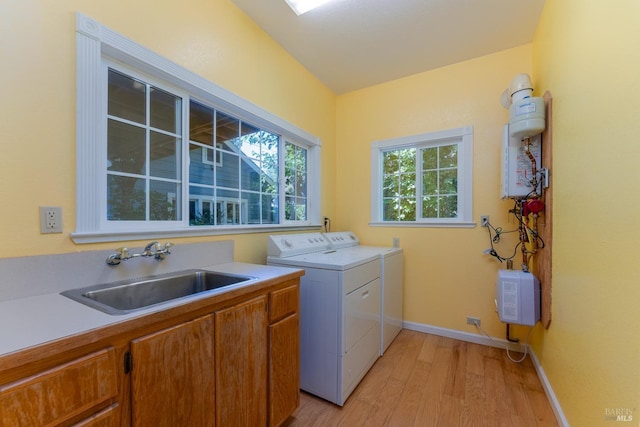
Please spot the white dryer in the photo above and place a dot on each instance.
(392, 281)
(339, 312)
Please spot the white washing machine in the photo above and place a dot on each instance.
(339, 312)
(391, 281)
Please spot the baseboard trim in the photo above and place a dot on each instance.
(546, 385)
(498, 343)
(463, 336)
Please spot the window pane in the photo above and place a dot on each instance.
(296, 157)
(407, 209)
(165, 156)
(228, 175)
(407, 160)
(126, 199)
(165, 111)
(201, 123)
(227, 131)
(399, 185)
(430, 158)
(269, 209)
(399, 161)
(390, 162)
(430, 207)
(201, 206)
(250, 175)
(295, 176)
(163, 197)
(448, 155)
(301, 183)
(295, 170)
(270, 163)
(448, 206)
(408, 185)
(247, 129)
(127, 97)
(227, 207)
(254, 210)
(200, 172)
(295, 208)
(449, 181)
(390, 186)
(430, 183)
(399, 209)
(126, 148)
(390, 209)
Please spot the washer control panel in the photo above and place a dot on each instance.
(342, 239)
(286, 245)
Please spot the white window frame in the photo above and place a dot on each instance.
(95, 44)
(461, 136)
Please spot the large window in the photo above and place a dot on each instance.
(162, 151)
(423, 179)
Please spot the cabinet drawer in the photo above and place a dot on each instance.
(109, 417)
(283, 302)
(61, 393)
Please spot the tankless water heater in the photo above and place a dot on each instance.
(518, 297)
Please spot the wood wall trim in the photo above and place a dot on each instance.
(545, 223)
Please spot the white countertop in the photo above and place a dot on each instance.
(35, 320)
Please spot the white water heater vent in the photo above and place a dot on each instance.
(518, 297)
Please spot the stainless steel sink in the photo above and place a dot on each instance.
(136, 294)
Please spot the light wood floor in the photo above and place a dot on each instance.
(427, 380)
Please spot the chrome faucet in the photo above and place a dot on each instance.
(153, 249)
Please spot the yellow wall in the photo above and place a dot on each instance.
(586, 54)
(447, 276)
(37, 135)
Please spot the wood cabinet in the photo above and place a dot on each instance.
(172, 378)
(284, 354)
(69, 392)
(232, 361)
(241, 364)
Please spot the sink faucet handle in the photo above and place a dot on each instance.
(121, 254)
(151, 246)
(168, 246)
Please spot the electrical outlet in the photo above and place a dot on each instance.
(473, 321)
(50, 219)
(484, 220)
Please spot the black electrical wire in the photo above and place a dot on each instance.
(492, 238)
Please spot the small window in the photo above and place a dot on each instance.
(423, 179)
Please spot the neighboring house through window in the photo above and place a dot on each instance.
(423, 180)
(162, 151)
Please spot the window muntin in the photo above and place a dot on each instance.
(143, 151)
(398, 187)
(440, 181)
(423, 179)
(233, 182)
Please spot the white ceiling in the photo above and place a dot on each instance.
(352, 44)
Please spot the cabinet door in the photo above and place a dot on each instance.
(241, 364)
(172, 381)
(284, 369)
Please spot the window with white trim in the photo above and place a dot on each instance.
(164, 152)
(423, 179)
